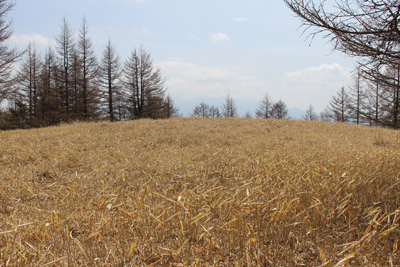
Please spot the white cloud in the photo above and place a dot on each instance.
(219, 37)
(314, 85)
(186, 80)
(145, 30)
(194, 37)
(317, 78)
(240, 19)
(36, 38)
(298, 88)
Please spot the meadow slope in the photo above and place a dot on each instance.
(200, 192)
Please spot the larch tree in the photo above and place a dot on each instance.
(68, 83)
(17, 117)
(390, 97)
(201, 110)
(372, 107)
(326, 115)
(310, 115)
(89, 70)
(386, 84)
(264, 108)
(65, 49)
(214, 112)
(109, 74)
(50, 99)
(8, 56)
(248, 115)
(396, 99)
(375, 92)
(76, 78)
(170, 110)
(143, 85)
(229, 108)
(29, 82)
(339, 106)
(280, 111)
(356, 96)
(366, 29)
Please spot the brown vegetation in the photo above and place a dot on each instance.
(200, 192)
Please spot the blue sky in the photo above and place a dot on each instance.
(204, 48)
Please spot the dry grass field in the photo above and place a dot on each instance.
(200, 192)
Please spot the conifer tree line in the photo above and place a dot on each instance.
(69, 82)
(368, 100)
(228, 109)
(370, 32)
(266, 109)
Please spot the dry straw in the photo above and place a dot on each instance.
(200, 192)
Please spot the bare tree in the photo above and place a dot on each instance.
(390, 97)
(17, 116)
(367, 29)
(248, 115)
(143, 85)
(381, 102)
(229, 109)
(29, 82)
(90, 94)
(120, 105)
(72, 85)
(326, 115)
(372, 100)
(65, 50)
(109, 73)
(76, 88)
(279, 111)
(310, 115)
(169, 108)
(338, 106)
(264, 109)
(356, 97)
(372, 107)
(49, 95)
(8, 56)
(214, 112)
(201, 110)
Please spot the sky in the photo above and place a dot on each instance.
(205, 49)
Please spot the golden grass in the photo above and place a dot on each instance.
(200, 192)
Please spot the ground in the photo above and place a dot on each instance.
(200, 192)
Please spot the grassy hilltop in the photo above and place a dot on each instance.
(200, 192)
